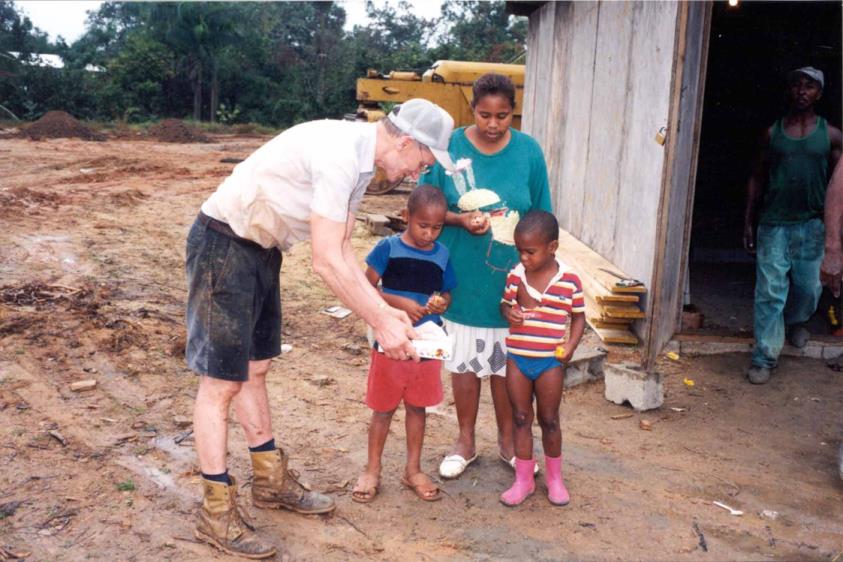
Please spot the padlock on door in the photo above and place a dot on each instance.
(661, 136)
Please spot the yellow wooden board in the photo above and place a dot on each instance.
(622, 311)
(576, 253)
(609, 335)
(609, 323)
(613, 298)
(639, 289)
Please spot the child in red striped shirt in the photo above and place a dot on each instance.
(545, 307)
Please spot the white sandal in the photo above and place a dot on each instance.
(453, 466)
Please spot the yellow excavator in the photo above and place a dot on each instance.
(447, 83)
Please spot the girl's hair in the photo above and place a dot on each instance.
(492, 84)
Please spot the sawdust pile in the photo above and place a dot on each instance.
(173, 130)
(59, 125)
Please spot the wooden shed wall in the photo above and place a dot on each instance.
(599, 83)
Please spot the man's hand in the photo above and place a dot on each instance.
(393, 331)
(830, 270)
(475, 222)
(748, 239)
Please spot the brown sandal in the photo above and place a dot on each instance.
(421, 484)
(365, 494)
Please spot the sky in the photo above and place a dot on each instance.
(67, 18)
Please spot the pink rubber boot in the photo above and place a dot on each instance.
(557, 494)
(524, 485)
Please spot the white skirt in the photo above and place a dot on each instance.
(481, 351)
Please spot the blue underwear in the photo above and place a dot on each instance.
(533, 367)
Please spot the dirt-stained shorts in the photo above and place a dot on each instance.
(233, 303)
(390, 381)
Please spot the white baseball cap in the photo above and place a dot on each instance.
(814, 74)
(428, 124)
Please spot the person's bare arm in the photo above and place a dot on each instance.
(574, 336)
(836, 138)
(335, 264)
(754, 190)
(832, 265)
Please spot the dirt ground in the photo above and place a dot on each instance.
(91, 287)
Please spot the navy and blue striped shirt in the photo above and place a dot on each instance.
(412, 273)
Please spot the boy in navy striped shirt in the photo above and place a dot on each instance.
(415, 275)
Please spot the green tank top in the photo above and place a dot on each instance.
(798, 176)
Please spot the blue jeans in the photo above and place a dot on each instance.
(787, 283)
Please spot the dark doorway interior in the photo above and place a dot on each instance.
(751, 49)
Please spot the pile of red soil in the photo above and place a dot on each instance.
(173, 130)
(59, 125)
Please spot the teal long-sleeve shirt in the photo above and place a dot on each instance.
(518, 174)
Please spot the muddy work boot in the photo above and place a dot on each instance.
(758, 375)
(274, 486)
(225, 525)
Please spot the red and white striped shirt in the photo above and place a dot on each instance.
(544, 326)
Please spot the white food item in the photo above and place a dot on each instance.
(477, 199)
(503, 227)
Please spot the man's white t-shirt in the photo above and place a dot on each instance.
(320, 167)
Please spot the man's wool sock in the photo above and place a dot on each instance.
(268, 446)
(223, 477)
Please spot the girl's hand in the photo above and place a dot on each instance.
(475, 222)
(514, 316)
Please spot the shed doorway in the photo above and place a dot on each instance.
(752, 46)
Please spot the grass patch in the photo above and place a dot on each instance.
(126, 486)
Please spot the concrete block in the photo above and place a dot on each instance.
(672, 346)
(832, 351)
(378, 225)
(713, 348)
(585, 366)
(643, 390)
(813, 350)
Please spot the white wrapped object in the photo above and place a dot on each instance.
(503, 227)
(432, 342)
(477, 199)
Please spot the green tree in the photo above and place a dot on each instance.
(395, 39)
(138, 76)
(481, 31)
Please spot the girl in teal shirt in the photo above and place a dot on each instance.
(511, 164)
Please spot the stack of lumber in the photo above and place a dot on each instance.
(610, 309)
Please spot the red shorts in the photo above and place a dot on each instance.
(419, 384)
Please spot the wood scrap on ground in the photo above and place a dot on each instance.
(612, 299)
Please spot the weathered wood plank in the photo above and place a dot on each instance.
(609, 335)
(621, 311)
(675, 210)
(581, 27)
(605, 139)
(615, 298)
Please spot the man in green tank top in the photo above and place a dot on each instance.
(786, 199)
